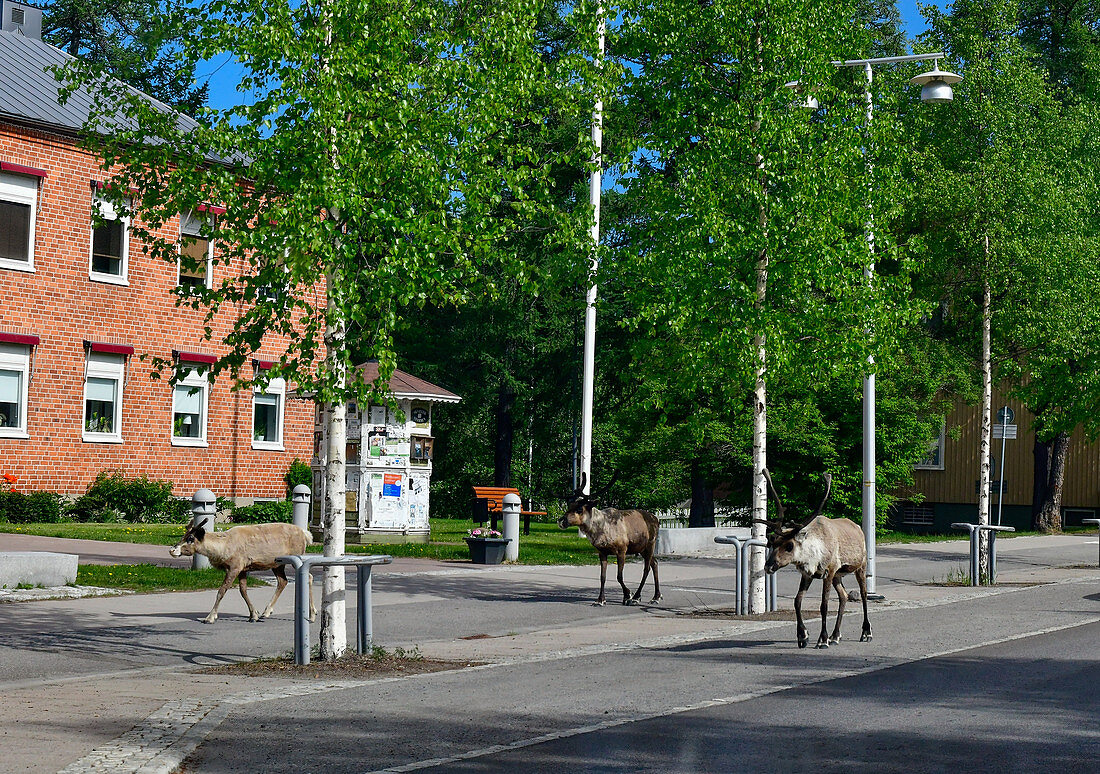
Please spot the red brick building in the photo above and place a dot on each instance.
(80, 305)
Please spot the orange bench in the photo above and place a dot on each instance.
(489, 501)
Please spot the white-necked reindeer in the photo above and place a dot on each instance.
(819, 547)
(619, 532)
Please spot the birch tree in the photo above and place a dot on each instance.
(385, 156)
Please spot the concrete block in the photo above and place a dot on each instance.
(36, 568)
(697, 541)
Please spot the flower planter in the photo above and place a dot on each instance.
(487, 550)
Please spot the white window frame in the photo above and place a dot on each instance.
(101, 365)
(203, 217)
(196, 377)
(21, 189)
(108, 212)
(934, 446)
(276, 387)
(17, 357)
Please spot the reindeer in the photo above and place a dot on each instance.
(240, 550)
(615, 531)
(819, 547)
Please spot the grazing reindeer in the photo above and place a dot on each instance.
(819, 547)
(242, 549)
(615, 531)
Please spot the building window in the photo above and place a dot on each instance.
(190, 400)
(110, 243)
(103, 397)
(18, 204)
(267, 415)
(934, 459)
(196, 258)
(422, 449)
(14, 378)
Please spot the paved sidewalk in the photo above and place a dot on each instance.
(110, 684)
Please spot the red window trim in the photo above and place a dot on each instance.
(108, 348)
(262, 365)
(213, 209)
(26, 339)
(20, 169)
(194, 357)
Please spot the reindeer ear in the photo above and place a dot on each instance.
(198, 532)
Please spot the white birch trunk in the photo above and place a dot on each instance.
(984, 478)
(333, 634)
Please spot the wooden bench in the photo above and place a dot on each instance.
(489, 501)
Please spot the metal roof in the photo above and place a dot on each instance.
(28, 89)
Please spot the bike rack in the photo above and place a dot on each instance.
(975, 539)
(364, 631)
(1097, 523)
(742, 572)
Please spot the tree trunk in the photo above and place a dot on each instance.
(984, 478)
(1040, 483)
(1049, 517)
(502, 462)
(702, 498)
(333, 634)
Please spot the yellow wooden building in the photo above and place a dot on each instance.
(948, 478)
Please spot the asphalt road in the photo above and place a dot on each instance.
(955, 678)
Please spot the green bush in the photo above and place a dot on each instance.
(114, 498)
(36, 507)
(298, 473)
(261, 513)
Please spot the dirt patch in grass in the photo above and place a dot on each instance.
(348, 667)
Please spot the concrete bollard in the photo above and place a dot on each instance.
(203, 508)
(510, 509)
(300, 510)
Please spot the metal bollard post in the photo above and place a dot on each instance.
(741, 574)
(510, 510)
(1097, 523)
(203, 509)
(302, 499)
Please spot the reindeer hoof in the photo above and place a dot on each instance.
(834, 640)
(630, 601)
(598, 603)
(822, 645)
(208, 620)
(802, 643)
(866, 637)
(656, 599)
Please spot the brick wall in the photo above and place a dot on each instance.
(60, 304)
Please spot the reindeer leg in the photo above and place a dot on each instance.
(603, 579)
(647, 559)
(826, 585)
(656, 584)
(861, 579)
(280, 584)
(838, 584)
(620, 560)
(804, 584)
(212, 616)
(242, 581)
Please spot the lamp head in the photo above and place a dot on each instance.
(936, 84)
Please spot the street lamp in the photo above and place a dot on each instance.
(936, 87)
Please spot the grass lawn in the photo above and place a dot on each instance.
(547, 544)
(148, 577)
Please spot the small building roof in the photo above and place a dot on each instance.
(405, 385)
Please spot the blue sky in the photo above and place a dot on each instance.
(223, 74)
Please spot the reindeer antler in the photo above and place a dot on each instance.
(775, 496)
(828, 488)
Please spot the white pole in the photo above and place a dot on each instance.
(869, 379)
(1001, 478)
(594, 184)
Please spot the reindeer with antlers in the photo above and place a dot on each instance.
(819, 547)
(615, 531)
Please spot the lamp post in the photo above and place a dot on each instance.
(594, 185)
(936, 87)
